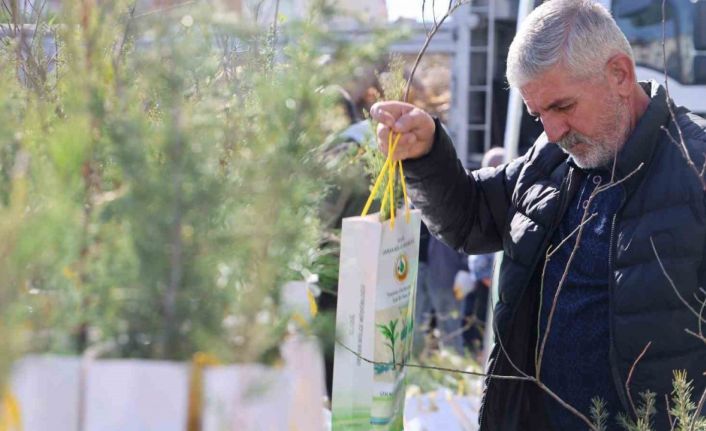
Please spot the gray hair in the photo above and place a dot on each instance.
(581, 35)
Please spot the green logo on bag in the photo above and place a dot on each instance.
(401, 267)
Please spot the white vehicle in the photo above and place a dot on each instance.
(684, 43)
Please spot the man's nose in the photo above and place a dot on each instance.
(554, 127)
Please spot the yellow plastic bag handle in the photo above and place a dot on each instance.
(10, 416)
(390, 169)
(200, 361)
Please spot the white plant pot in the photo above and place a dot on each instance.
(74, 394)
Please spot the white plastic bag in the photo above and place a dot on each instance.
(374, 318)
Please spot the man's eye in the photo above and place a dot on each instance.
(565, 107)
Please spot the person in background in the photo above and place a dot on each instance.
(436, 299)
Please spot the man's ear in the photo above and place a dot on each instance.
(621, 74)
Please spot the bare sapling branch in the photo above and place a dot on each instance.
(672, 420)
(538, 382)
(694, 334)
(629, 379)
(433, 12)
(400, 365)
(452, 8)
(424, 19)
(681, 143)
(161, 10)
(584, 220)
(567, 406)
(550, 253)
(274, 25)
(126, 31)
(701, 314)
(697, 412)
(671, 282)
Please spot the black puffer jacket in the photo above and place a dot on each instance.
(517, 207)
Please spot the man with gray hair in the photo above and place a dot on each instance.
(591, 221)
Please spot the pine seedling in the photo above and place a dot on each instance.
(646, 409)
(599, 414)
(683, 409)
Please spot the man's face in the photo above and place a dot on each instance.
(586, 118)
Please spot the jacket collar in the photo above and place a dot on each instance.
(643, 140)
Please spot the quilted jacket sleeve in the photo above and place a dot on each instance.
(468, 211)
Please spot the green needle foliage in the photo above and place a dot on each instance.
(160, 178)
(682, 412)
(645, 410)
(599, 415)
(683, 408)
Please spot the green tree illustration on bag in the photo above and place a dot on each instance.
(395, 335)
(390, 333)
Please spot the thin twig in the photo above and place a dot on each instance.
(469, 323)
(538, 382)
(550, 253)
(7, 8)
(681, 142)
(176, 246)
(699, 336)
(433, 12)
(56, 57)
(697, 413)
(502, 347)
(131, 16)
(566, 405)
(539, 313)
(166, 8)
(682, 148)
(426, 45)
(612, 184)
(672, 420)
(584, 217)
(39, 13)
(274, 26)
(615, 164)
(541, 385)
(671, 282)
(568, 237)
(559, 287)
(431, 367)
(629, 379)
(424, 19)
(701, 314)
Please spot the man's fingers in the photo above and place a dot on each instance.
(415, 127)
(410, 121)
(388, 112)
(404, 148)
(383, 132)
(405, 145)
(383, 117)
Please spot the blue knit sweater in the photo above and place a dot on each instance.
(576, 360)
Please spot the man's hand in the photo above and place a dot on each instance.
(463, 285)
(416, 126)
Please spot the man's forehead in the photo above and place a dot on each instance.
(555, 102)
(551, 84)
(545, 94)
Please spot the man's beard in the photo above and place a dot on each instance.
(600, 151)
